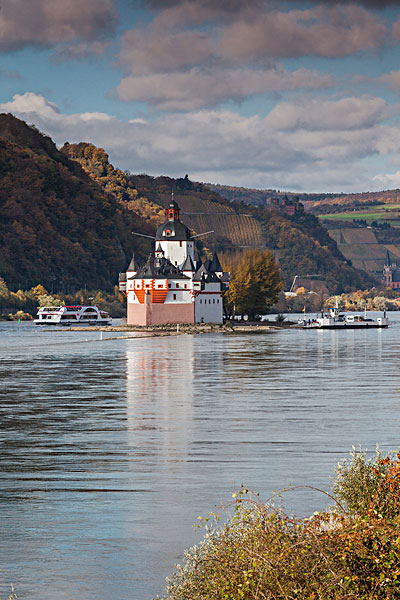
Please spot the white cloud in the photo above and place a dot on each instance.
(387, 180)
(30, 103)
(223, 146)
(329, 115)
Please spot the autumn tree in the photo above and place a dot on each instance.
(48, 300)
(255, 283)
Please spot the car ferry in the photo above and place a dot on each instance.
(72, 315)
(334, 320)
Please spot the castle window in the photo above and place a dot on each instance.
(185, 286)
(201, 301)
(180, 244)
(213, 300)
(174, 296)
(177, 285)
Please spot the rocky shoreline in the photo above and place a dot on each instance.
(191, 328)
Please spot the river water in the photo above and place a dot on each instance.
(111, 448)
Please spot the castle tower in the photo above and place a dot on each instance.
(174, 238)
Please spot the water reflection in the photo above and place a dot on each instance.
(111, 449)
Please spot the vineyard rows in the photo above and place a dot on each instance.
(242, 230)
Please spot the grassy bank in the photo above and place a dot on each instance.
(351, 551)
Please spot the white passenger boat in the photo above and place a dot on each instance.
(72, 315)
(334, 320)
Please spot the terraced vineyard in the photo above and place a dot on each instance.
(241, 230)
(361, 246)
(203, 214)
(389, 213)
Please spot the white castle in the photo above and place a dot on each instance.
(174, 286)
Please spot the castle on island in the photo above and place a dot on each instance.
(174, 286)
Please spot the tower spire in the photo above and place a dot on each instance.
(387, 261)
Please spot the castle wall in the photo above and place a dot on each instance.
(136, 314)
(159, 314)
(172, 313)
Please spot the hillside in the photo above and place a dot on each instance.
(57, 226)
(304, 247)
(204, 210)
(67, 219)
(260, 197)
(300, 243)
(364, 225)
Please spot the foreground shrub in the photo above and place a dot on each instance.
(351, 551)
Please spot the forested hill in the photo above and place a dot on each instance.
(66, 219)
(57, 226)
(304, 247)
(201, 209)
(259, 197)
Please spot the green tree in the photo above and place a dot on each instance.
(255, 283)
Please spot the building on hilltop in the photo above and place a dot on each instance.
(288, 205)
(174, 286)
(391, 274)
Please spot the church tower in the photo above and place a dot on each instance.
(389, 269)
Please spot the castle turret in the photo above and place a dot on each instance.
(132, 268)
(188, 267)
(215, 266)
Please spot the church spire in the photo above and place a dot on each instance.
(388, 262)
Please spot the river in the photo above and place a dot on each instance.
(111, 448)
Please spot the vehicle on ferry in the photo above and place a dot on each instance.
(334, 320)
(72, 315)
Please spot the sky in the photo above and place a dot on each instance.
(297, 96)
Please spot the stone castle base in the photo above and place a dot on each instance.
(159, 314)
